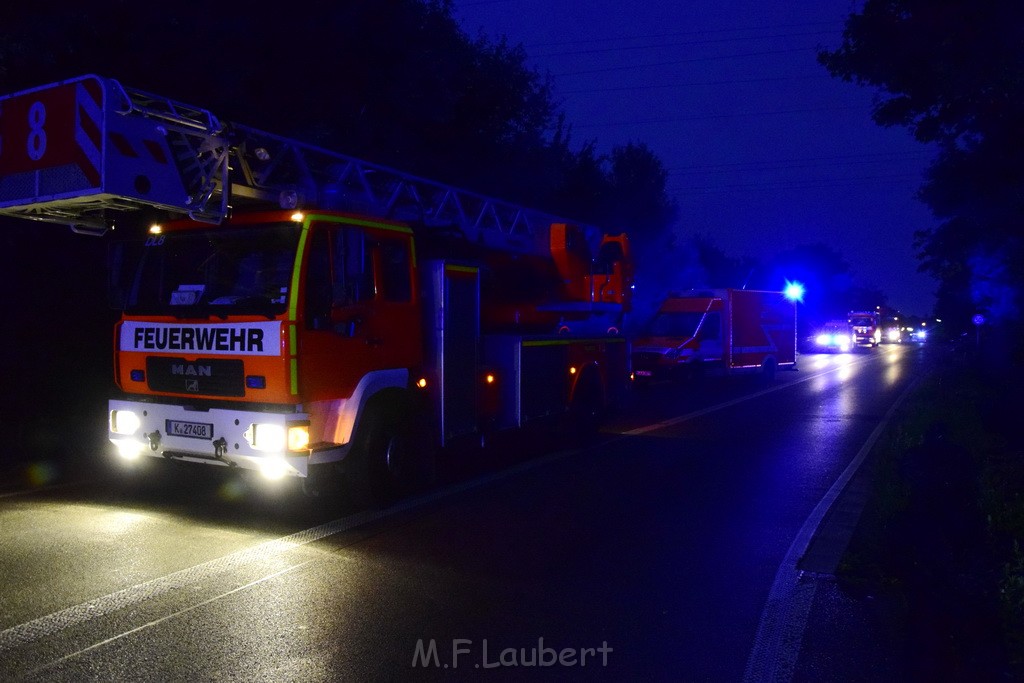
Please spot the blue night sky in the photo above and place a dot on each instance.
(764, 149)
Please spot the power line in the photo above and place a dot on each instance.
(650, 86)
(808, 184)
(807, 162)
(709, 117)
(679, 44)
(676, 34)
(691, 60)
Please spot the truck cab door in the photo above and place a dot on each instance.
(709, 337)
(360, 311)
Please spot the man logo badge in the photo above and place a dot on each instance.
(192, 385)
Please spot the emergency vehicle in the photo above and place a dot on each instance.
(865, 328)
(720, 331)
(304, 313)
(834, 335)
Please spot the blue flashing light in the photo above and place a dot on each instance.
(255, 382)
(794, 291)
(138, 375)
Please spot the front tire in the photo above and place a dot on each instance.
(394, 452)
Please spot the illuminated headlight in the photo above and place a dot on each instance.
(273, 468)
(124, 422)
(894, 335)
(273, 438)
(266, 437)
(878, 335)
(129, 449)
(823, 339)
(844, 344)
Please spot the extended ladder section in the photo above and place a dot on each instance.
(88, 150)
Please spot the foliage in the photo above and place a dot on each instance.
(952, 72)
(396, 82)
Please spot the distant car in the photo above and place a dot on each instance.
(918, 335)
(832, 337)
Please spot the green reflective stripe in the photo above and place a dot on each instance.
(293, 293)
(362, 222)
(294, 372)
(461, 269)
(562, 342)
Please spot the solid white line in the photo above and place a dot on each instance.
(50, 665)
(56, 622)
(780, 630)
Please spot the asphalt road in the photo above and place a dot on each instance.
(653, 554)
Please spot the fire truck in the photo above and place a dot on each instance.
(865, 328)
(720, 331)
(298, 312)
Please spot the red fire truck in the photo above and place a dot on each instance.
(302, 313)
(723, 331)
(865, 328)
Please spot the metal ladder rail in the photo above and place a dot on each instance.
(262, 166)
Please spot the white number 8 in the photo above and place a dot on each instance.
(37, 136)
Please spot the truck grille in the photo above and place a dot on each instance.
(203, 377)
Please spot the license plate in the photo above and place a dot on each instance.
(193, 430)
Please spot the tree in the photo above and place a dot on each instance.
(950, 71)
(396, 82)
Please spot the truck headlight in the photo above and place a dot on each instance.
(129, 449)
(274, 438)
(266, 437)
(124, 422)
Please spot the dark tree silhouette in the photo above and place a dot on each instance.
(950, 72)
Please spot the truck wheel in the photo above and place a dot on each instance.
(393, 458)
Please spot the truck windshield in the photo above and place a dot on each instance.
(862, 321)
(219, 272)
(676, 324)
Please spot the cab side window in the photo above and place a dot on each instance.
(396, 279)
(711, 330)
(352, 280)
(338, 273)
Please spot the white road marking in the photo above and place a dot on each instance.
(50, 665)
(51, 624)
(779, 636)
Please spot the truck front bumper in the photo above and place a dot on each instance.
(251, 440)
